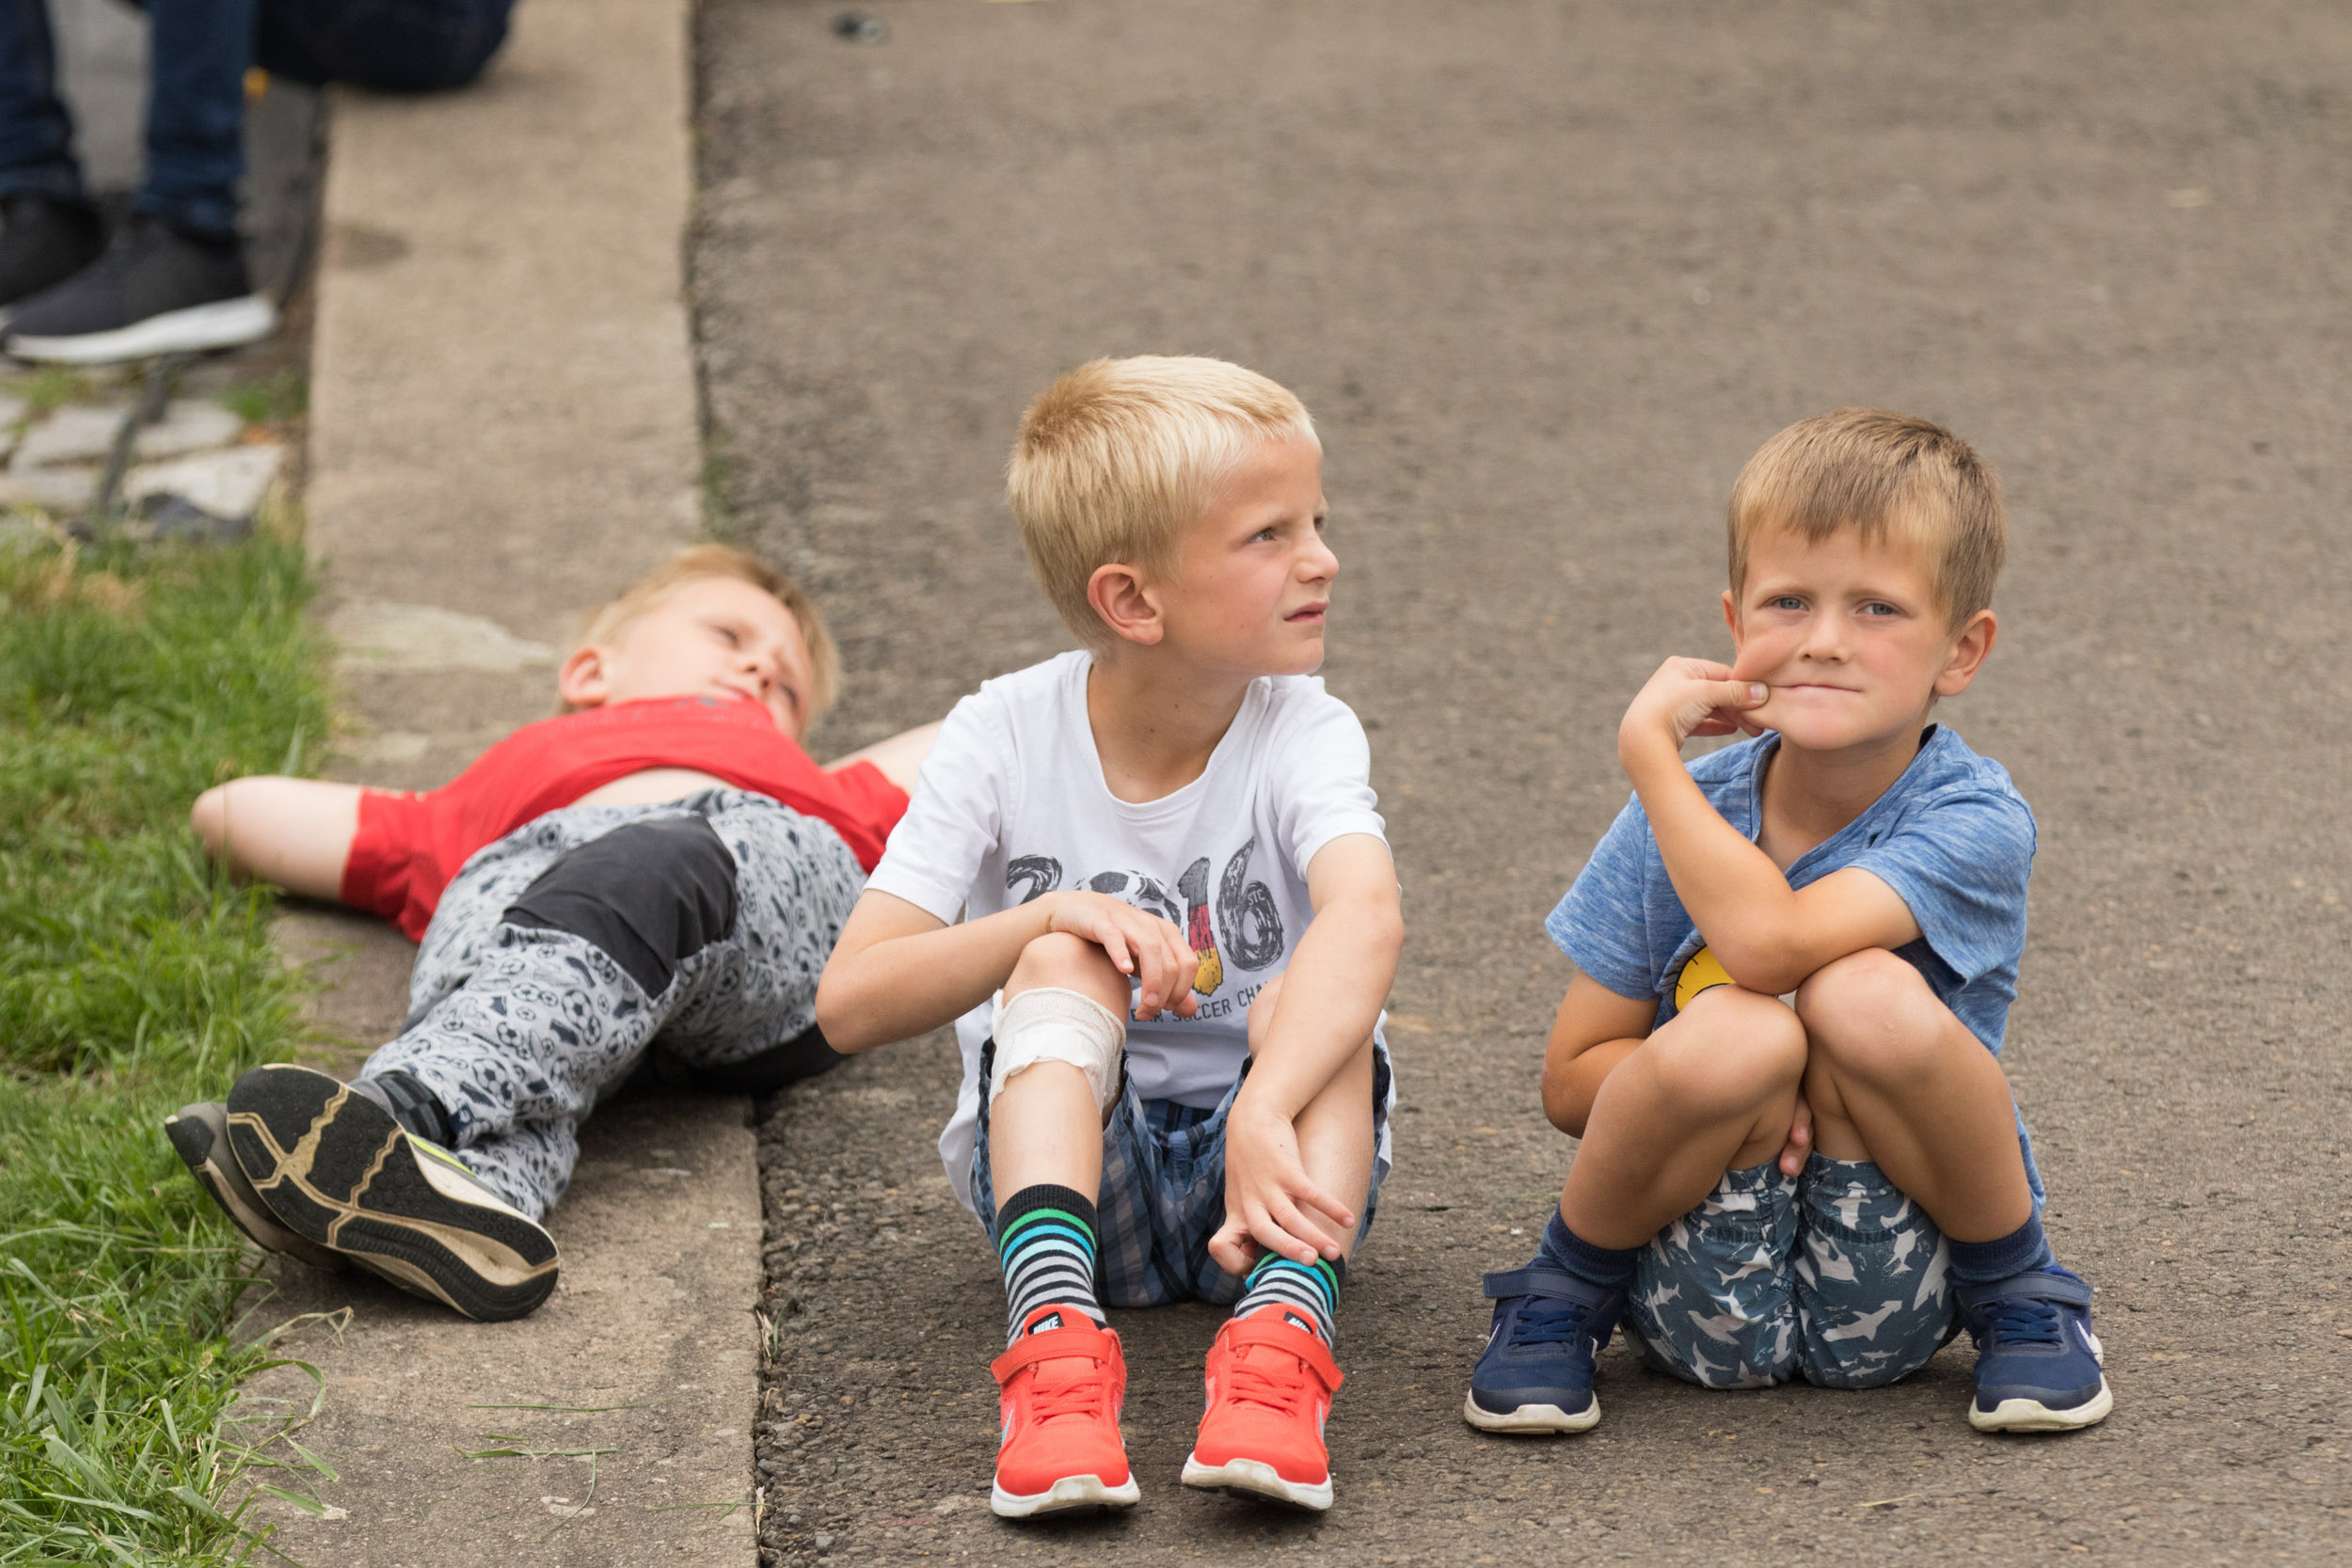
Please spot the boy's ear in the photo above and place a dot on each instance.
(581, 682)
(1731, 618)
(1970, 649)
(1126, 604)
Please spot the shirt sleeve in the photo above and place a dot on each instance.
(389, 870)
(871, 797)
(956, 815)
(1602, 923)
(1960, 861)
(1322, 782)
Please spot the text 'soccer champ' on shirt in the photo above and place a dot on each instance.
(1012, 805)
(1952, 837)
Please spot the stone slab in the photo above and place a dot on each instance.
(637, 1373)
(503, 433)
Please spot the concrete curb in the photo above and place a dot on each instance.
(504, 433)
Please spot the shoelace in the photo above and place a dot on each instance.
(1073, 1397)
(2022, 1320)
(1547, 1321)
(1251, 1385)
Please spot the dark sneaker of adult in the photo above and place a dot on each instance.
(2038, 1366)
(156, 290)
(199, 1135)
(335, 1164)
(45, 243)
(1537, 1374)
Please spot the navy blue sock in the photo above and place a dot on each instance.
(2023, 1250)
(1564, 1249)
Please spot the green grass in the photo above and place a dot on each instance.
(132, 979)
(282, 395)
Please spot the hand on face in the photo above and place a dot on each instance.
(1688, 697)
(709, 637)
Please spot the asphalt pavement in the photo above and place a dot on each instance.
(1547, 274)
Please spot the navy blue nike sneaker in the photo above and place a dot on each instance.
(1537, 1372)
(2038, 1363)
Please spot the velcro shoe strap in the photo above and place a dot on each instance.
(1267, 1329)
(1079, 1339)
(2029, 1287)
(1536, 1280)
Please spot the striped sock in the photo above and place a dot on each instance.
(1311, 1291)
(1045, 1239)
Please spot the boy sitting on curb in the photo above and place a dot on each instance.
(1176, 823)
(652, 880)
(1864, 864)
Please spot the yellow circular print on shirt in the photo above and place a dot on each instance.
(1703, 973)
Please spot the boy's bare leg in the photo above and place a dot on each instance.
(1044, 1126)
(1711, 1091)
(1335, 1132)
(296, 832)
(1895, 1078)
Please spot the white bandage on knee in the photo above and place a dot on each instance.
(1051, 1024)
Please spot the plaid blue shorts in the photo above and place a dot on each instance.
(1162, 1192)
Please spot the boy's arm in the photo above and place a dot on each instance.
(1332, 993)
(296, 832)
(1594, 1030)
(899, 971)
(1766, 936)
(900, 757)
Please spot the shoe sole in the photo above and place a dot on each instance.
(223, 324)
(199, 1135)
(2033, 1415)
(1254, 1478)
(335, 1168)
(1064, 1495)
(1529, 1420)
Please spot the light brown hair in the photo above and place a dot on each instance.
(608, 621)
(1885, 476)
(1115, 457)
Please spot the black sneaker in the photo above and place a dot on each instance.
(155, 291)
(199, 1135)
(45, 243)
(332, 1163)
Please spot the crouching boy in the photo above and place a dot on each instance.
(1173, 826)
(1799, 1155)
(651, 881)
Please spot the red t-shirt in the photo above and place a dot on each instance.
(409, 844)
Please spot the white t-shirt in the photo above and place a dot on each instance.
(1012, 804)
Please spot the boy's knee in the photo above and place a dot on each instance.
(1061, 961)
(1871, 1013)
(1735, 1051)
(648, 894)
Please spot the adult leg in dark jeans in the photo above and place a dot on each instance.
(175, 280)
(50, 230)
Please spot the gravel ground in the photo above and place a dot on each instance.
(1547, 274)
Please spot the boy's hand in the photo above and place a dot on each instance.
(1688, 697)
(1265, 1187)
(1145, 948)
(1800, 1144)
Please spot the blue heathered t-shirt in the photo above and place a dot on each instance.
(1952, 837)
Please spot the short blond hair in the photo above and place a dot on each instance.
(1885, 476)
(608, 621)
(1115, 457)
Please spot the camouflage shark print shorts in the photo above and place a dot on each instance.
(1835, 1277)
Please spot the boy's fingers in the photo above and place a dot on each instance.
(1274, 1238)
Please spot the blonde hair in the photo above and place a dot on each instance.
(1885, 476)
(608, 621)
(1115, 457)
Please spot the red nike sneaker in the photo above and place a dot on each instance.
(1061, 1385)
(1271, 1379)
